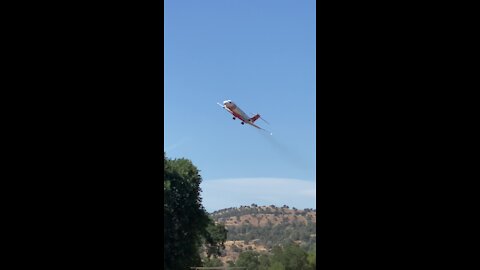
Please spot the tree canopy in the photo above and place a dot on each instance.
(187, 226)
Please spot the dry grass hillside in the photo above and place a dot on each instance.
(259, 228)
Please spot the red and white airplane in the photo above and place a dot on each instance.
(238, 113)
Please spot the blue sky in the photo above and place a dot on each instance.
(262, 56)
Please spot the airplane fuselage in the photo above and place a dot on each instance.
(236, 111)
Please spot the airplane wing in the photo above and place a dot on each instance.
(224, 107)
(248, 122)
(259, 127)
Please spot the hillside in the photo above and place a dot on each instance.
(260, 228)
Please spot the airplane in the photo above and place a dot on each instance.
(238, 113)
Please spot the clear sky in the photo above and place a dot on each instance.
(261, 55)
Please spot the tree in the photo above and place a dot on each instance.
(312, 258)
(215, 236)
(291, 257)
(264, 262)
(212, 262)
(248, 259)
(277, 266)
(296, 258)
(295, 235)
(182, 208)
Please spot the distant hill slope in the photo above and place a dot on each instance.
(260, 228)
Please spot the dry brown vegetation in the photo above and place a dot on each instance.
(266, 217)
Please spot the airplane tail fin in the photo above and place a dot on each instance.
(255, 117)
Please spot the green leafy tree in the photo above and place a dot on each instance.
(277, 255)
(248, 259)
(277, 266)
(295, 258)
(182, 208)
(312, 258)
(213, 262)
(291, 257)
(264, 262)
(215, 237)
